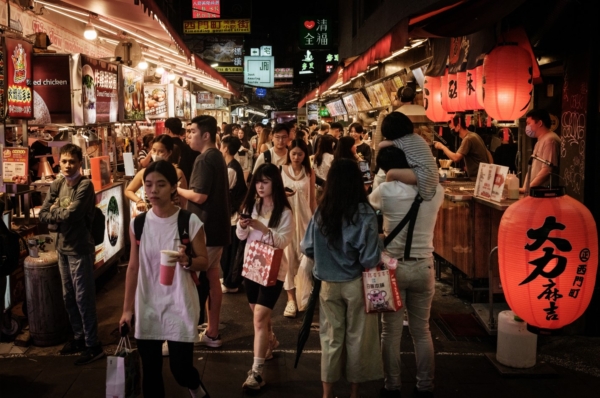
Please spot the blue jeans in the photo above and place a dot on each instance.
(416, 282)
(79, 294)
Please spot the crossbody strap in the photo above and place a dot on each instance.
(410, 218)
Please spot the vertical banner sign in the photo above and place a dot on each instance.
(19, 79)
(52, 89)
(315, 32)
(99, 88)
(131, 106)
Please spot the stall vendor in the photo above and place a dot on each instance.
(472, 148)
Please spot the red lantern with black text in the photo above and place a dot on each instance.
(461, 78)
(432, 91)
(507, 82)
(472, 86)
(448, 91)
(548, 258)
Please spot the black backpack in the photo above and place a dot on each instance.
(10, 250)
(183, 226)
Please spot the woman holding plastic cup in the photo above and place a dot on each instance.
(164, 311)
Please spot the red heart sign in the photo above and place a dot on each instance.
(309, 24)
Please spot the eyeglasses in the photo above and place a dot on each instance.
(280, 137)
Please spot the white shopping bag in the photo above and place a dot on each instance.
(304, 282)
(115, 377)
(123, 378)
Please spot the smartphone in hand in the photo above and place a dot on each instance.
(245, 216)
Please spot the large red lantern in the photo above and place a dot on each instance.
(461, 78)
(548, 258)
(450, 92)
(508, 82)
(471, 89)
(433, 100)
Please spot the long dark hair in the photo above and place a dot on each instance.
(280, 201)
(344, 148)
(326, 145)
(344, 191)
(299, 143)
(165, 168)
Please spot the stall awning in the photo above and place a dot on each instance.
(143, 21)
(334, 78)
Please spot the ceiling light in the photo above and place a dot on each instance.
(160, 70)
(90, 32)
(143, 64)
(214, 65)
(171, 76)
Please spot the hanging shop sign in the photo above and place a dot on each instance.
(187, 104)
(179, 102)
(155, 100)
(284, 73)
(131, 104)
(15, 165)
(19, 81)
(315, 32)
(307, 65)
(266, 51)
(350, 104)
(336, 108)
(259, 71)
(52, 87)
(255, 52)
(202, 9)
(99, 88)
(193, 105)
(205, 99)
(260, 92)
(227, 51)
(216, 26)
(378, 96)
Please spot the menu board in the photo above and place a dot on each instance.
(19, 78)
(361, 101)
(131, 103)
(110, 201)
(99, 88)
(490, 181)
(350, 104)
(193, 105)
(179, 102)
(15, 165)
(187, 104)
(155, 100)
(52, 89)
(392, 86)
(378, 96)
(336, 108)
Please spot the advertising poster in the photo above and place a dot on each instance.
(131, 101)
(187, 105)
(99, 88)
(193, 105)
(179, 102)
(19, 81)
(52, 89)
(226, 51)
(110, 201)
(361, 101)
(15, 165)
(350, 104)
(155, 98)
(490, 181)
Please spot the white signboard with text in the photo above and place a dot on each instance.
(490, 181)
(259, 71)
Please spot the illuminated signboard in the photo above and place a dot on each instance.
(259, 71)
(315, 32)
(226, 51)
(19, 73)
(216, 26)
(284, 73)
(202, 9)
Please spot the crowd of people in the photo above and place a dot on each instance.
(302, 189)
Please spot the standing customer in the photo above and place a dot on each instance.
(174, 129)
(342, 239)
(208, 198)
(362, 149)
(164, 312)
(278, 153)
(415, 274)
(270, 212)
(297, 177)
(346, 149)
(70, 204)
(322, 161)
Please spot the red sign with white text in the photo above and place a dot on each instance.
(206, 9)
(19, 79)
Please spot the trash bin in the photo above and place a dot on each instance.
(48, 322)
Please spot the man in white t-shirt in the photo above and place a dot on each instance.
(278, 154)
(415, 274)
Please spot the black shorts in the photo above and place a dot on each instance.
(259, 294)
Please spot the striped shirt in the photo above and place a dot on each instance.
(420, 159)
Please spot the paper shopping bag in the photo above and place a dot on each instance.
(381, 290)
(304, 282)
(261, 263)
(123, 376)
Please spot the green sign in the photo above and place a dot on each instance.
(315, 32)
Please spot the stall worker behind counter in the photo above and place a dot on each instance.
(472, 148)
(546, 148)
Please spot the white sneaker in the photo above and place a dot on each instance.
(290, 310)
(253, 382)
(208, 341)
(165, 349)
(226, 289)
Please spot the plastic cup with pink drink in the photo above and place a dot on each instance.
(168, 261)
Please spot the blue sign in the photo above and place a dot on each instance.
(261, 92)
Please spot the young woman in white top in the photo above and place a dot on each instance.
(266, 212)
(164, 312)
(323, 158)
(299, 182)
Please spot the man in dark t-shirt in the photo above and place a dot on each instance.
(208, 198)
(174, 129)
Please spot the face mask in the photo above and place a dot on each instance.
(73, 177)
(156, 158)
(530, 133)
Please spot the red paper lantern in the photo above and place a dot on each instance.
(452, 92)
(507, 83)
(472, 85)
(461, 78)
(432, 91)
(548, 258)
